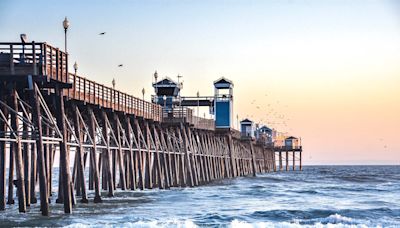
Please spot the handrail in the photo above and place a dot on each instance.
(92, 92)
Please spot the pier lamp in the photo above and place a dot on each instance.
(65, 25)
(75, 69)
(155, 76)
(113, 83)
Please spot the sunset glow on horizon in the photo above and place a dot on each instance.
(325, 71)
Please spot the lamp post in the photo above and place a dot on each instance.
(65, 25)
(113, 83)
(143, 91)
(75, 69)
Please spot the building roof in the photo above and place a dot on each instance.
(291, 137)
(265, 128)
(166, 82)
(223, 83)
(246, 121)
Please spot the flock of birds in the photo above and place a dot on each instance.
(272, 115)
(273, 118)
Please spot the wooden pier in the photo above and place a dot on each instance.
(105, 139)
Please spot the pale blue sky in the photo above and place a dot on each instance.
(331, 67)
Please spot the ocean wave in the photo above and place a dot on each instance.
(332, 221)
(143, 224)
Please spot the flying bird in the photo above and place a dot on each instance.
(120, 65)
(102, 33)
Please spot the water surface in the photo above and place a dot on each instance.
(319, 196)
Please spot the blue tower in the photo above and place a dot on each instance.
(223, 103)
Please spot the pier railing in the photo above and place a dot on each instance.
(33, 58)
(288, 148)
(43, 59)
(203, 123)
(185, 115)
(92, 92)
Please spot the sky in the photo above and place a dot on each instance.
(325, 71)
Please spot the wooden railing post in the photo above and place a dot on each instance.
(12, 69)
(84, 89)
(34, 58)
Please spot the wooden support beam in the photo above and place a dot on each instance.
(120, 131)
(301, 161)
(131, 154)
(287, 160)
(37, 120)
(108, 155)
(148, 157)
(64, 152)
(294, 160)
(140, 161)
(34, 170)
(3, 147)
(27, 166)
(186, 152)
(158, 159)
(10, 197)
(93, 156)
(79, 155)
(19, 165)
(231, 155)
(165, 157)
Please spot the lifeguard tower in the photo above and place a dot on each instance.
(167, 93)
(247, 129)
(223, 103)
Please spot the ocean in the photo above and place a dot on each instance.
(318, 196)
